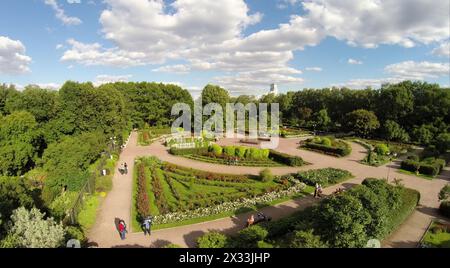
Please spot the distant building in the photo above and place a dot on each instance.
(273, 89)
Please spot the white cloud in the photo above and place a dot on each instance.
(443, 50)
(61, 14)
(209, 35)
(354, 62)
(74, 1)
(313, 69)
(407, 70)
(418, 70)
(59, 46)
(13, 59)
(178, 68)
(94, 55)
(369, 23)
(105, 79)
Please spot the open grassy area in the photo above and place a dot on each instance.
(88, 214)
(172, 189)
(437, 236)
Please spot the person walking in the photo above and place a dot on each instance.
(251, 220)
(147, 225)
(126, 168)
(316, 190)
(122, 229)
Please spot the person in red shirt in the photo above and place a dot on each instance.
(122, 229)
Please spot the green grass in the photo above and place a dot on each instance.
(406, 172)
(88, 214)
(437, 239)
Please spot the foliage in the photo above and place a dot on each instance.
(216, 149)
(362, 122)
(324, 177)
(62, 204)
(249, 237)
(442, 142)
(305, 239)
(328, 146)
(293, 161)
(266, 175)
(382, 149)
(444, 194)
(31, 230)
(86, 217)
(429, 166)
(212, 240)
(392, 131)
(444, 208)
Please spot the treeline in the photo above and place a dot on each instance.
(49, 140)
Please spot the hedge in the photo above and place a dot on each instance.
(444, 208)
(286, 159)
(335, 151)
(430, 167)
(199, 151)
(410, 199)
(410, 165)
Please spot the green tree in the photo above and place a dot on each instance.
(362, 122)
(215, 94)
(394, 132)
(423, 134)
(442, 142)
(322, 119)
(30, 229)
(19, 143)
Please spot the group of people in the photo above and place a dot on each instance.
(146, 227)
(318, 191)
(123, 168)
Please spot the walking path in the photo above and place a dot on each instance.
(118, 202)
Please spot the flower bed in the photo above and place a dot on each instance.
(229, 206)
(324, 177)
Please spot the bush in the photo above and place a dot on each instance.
(413, 157)
(190, 151)
(74, 232)
(212, 240)
(410, 165)
(429, 169)
(444, 208)
(305, 239)
(229, 151)
(172, 246)
(241, 151)
(249, 237)
(266, 175)
(326, 141)
(342, 150)
(293, 161)
(216, 149)
(382, 149)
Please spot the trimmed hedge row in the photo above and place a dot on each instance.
(199, 151)
(330, 150)
(430, 167)
(293, 161)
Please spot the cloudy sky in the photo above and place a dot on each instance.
(242, 45)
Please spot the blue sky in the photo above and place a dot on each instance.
(241, 45)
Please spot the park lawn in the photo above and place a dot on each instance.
(406, 172)
(437, 239)
(88, 214)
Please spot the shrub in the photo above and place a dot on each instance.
(444, 208)
(212, 240)
(305, 239)
(229, 151)
(240, 151)
(326, 141)
(255, 153)
(382, 149)
(266, 175)
(73, 232)
(249, 237)
(216, 149)
(265, 153)
(343, 149)
(190, 151)
(325, 177)
(410, 165)
(172, 246)
(429, 169)
(286, 159)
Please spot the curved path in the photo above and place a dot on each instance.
(117, 203)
